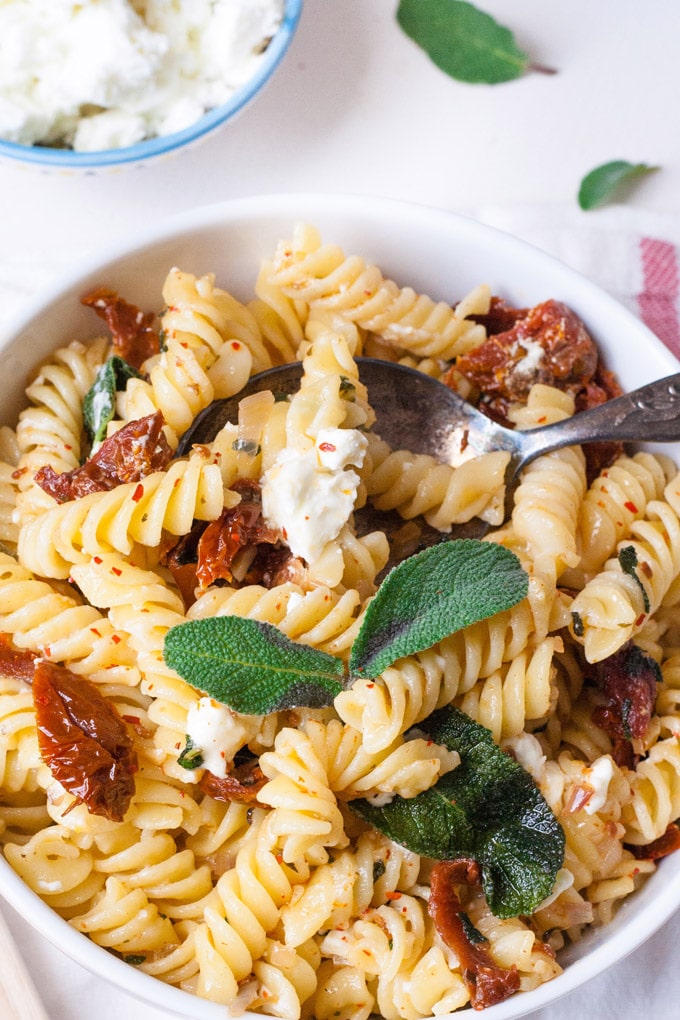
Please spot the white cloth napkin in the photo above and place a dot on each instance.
(636, 257)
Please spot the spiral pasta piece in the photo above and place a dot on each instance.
(656, 793)
(103, 522)
(613, 606)
(50, 430)
(616, 498)
(522, 693)
(306, 819)
(57, 625)
(324, 279)
(416, 484)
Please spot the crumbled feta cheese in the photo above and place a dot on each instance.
(108, 73)
(218, 732)
(530, 362)
(308, 500)
(598, 776)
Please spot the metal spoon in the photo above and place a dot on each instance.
(417, 413)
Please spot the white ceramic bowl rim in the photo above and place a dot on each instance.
(638, 917)
(45, 155)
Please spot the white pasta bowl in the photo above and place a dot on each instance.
(438, 253)
(51, 158)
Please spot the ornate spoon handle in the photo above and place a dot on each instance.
(650, 413)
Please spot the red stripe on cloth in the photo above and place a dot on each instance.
(658, 300)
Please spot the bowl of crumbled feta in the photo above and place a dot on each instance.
(108, 83)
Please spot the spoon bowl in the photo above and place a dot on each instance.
(418, 413)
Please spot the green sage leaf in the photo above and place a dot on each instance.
(251, 666)
(629, 562)
(603, 183)
(433, 594)
(487, 808)
(463, 41)
(191, 756)
(99, 403)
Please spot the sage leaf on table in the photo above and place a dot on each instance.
(99, 403)
(433, 594)
(487, 808)
(603, 183)
(251, 666)
(466, 43)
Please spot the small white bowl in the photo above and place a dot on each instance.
(50, 159)
(440, 254)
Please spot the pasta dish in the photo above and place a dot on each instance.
(346, 825)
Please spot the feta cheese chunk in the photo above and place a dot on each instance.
(309, 494)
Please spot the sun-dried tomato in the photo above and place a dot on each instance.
(629, 681)
(136, 450)
(500, 318)
(242, 784)
(661, 847)
(546, 344)
(15, 662)
(237, 528)
(83, 740)
(132, 332)
(487, 983)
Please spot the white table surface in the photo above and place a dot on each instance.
(357, 108)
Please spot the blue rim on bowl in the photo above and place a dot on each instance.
(162, 145)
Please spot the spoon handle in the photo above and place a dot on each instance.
(650, 413)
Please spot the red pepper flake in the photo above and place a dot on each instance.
(96, 632)
(393, 895)
(117, 571)
(97, 559)
(640, 620)
(116, 638)
(327, 447)
(631, 506)
(138, 493)
(235, 345)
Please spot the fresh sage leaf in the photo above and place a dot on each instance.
(464, 42)
(251, 666)
(99, 403)
(487, 808)
(433, 594)
(602, 183)
(629, 562)
(191, 756)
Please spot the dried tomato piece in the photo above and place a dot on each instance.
(15, 662)
(237, 528)
(661, 847)
(500, 318)
(136, 450)
(628, 680)
(242, 784)
(486, 981)
(134, 338)
(547, 344)
(83, 740)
